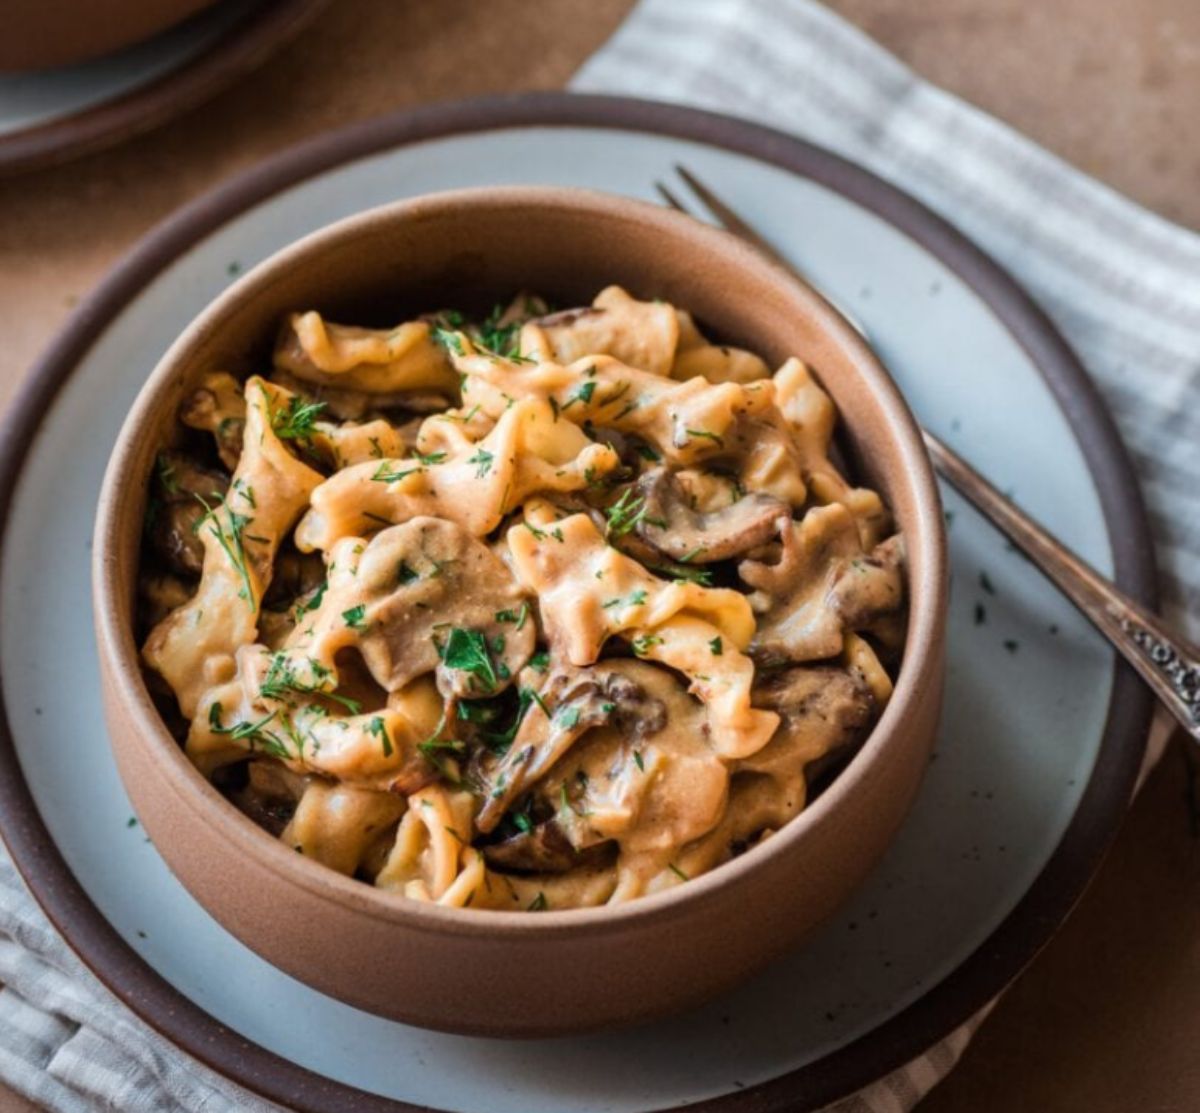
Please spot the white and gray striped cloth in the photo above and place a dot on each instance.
(1123, 285)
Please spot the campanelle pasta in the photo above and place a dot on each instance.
(547, 611)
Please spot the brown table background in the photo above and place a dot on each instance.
(1103, 1020)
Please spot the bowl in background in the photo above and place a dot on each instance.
(480, 972)
(42, 34)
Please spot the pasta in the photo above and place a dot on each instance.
(542, 611)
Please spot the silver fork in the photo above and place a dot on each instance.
(1166, 661)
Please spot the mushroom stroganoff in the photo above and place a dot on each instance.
(548, 611)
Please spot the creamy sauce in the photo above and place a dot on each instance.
(548, 611)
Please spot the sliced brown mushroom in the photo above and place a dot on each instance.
(570, 703)
(424, 596)
(270, 794)
(179, 486)
(218, 406)
(544, 848)
(822, 586)
(158, 595)
(825, 713)
(866, 588)
(667, 522)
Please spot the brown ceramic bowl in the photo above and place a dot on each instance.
(480, 972)
(40, 34)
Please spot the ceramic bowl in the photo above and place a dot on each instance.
(516, 973)
(40, 34)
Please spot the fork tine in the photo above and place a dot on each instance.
(670, 198)
(727, 217)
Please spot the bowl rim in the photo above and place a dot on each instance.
(927, 596)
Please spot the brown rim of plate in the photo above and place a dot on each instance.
(241, 48)
(974, 982)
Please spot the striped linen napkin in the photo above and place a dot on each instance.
(1123, 285)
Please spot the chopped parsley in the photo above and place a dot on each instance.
(166, 474)
(378, 728)
(637, 757)
(648, 453)
(428, 458)
(518, 616)
(701, 576)
(503, 340)
(355, 617)
(448, 339)
(677, 872)
(644, 643)
(540, 661)
(567, 717)
(484, 460)
(582, 395)
(635, 599)
(253, 732)
(405, 574)
(717, 647)
(625, 514)
(232, 543)
(704, 434)
(539, 903)
(294, 422)
(389, 472)
(467, 651)
(283, 680)
(312, 603)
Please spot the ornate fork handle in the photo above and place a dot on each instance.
(1168, 663)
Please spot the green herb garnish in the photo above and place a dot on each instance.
(282, 680)
(378, 728)
(232, 543)
(295, 421)
(467, 651)
(484, 460)
(582, 395)
(389, 472)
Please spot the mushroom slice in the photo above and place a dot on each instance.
(667, 522)
(824, 713)
(571, 703)
(417, 597)
(544, 848)
(218, 406)
(270, 794)
(183, 489)
(867, 588)
(797, 622)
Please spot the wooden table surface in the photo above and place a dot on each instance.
(1103, 1019)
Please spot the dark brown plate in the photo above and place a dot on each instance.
(946, 1005)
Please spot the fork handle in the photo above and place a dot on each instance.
(1165, 660)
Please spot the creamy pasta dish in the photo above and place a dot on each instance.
(539, 611)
